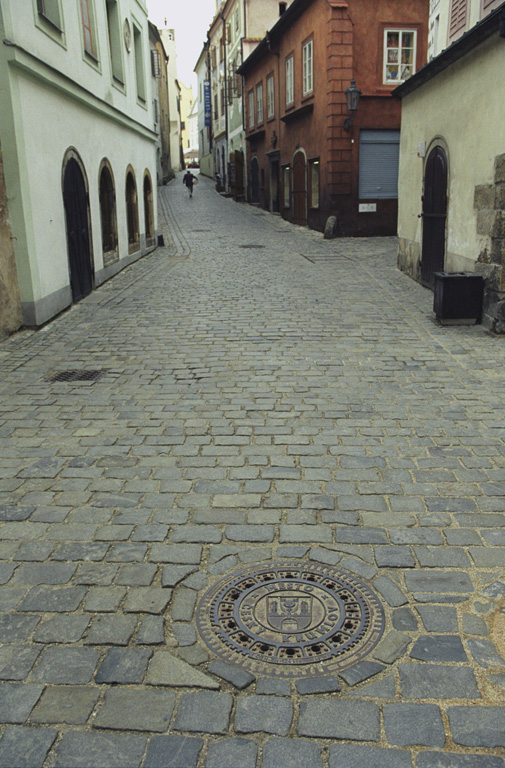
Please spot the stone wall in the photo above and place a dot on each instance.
(10, 302)
(489, 202)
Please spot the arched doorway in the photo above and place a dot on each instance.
(132, 213)
(148, 210)
(75, 200)
(255, 181)
(434, 215)
(108, 213)
(299, 189)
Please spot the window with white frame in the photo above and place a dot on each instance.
(259, 103)
(250, 103)
(270, 97)
(139, 63)
(88, 28)
(50, 11)
(308, 67)
(399, 54)
(115, 40)
(237, 19)
(290, 86)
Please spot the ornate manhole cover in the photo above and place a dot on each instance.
(290, 618)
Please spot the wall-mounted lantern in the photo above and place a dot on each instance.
(352, 95)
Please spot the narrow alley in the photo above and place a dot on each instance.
(242, 441)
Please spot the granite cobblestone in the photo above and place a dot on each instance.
(255, 405)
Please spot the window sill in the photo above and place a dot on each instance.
(54, 26)
(307, 97)
(307, 109)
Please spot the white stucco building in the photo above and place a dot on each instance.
(76, 124)
(202, 72)
(452, 153)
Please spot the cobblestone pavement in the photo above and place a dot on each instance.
(264, 395)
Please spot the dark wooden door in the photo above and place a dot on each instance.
(434, 216)
(299, 189)
(75, 200)
(255, 181)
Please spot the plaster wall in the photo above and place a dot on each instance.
(66, 54)
(435, 114)
(10, 300)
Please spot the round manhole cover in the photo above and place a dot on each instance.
(291, 619)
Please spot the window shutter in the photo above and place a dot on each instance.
(457, 19)
(155, 63)
(378, 164)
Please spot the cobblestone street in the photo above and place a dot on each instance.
(255, 395)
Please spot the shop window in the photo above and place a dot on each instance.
(399, 54)
(286, 186)
(314, 166)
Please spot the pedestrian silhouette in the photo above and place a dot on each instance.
(189, 180)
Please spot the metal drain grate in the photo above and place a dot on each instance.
(77, 375)
(291, 619)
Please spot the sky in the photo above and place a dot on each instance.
(190, 19)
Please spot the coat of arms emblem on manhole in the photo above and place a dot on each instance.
(291, 618)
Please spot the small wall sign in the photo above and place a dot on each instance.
(368, 207)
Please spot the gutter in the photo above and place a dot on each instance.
(493, 23)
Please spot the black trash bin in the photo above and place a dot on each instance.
(458, 297)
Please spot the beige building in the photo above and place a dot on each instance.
(452, 161)
(186, 105)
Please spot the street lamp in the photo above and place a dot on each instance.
(352, 95)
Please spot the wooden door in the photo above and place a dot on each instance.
(75, 200)
(434, 216)
(299, 189)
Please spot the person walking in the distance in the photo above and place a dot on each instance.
(189, 181)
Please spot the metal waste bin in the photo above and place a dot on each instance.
(458, 297)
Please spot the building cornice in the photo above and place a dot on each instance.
(478, 34)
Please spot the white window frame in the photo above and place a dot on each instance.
(308, 67)
(259, 103)
(270, 97)
(88, 28)
(400, 32)
(50, 11)
(290, 80)
(250, 104)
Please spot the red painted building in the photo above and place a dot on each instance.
(306, 159)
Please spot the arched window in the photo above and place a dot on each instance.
(108, 214)
(148, 210)
(132, 212)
